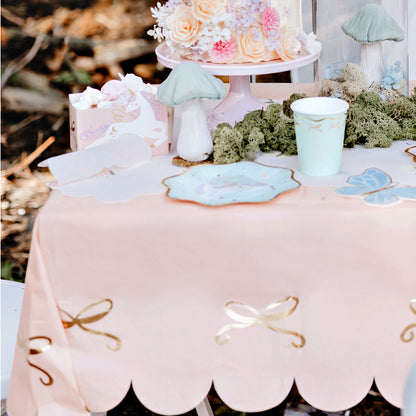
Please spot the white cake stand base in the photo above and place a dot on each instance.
(239, 100)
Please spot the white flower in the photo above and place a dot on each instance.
(89, 97)
(160, 13)
(156, 33)
(135, 84)
(309, 43)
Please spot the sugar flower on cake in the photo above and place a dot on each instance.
(270, 19)
(309, 43)
(183, 27)
(289, 44)
(224, 51)
(252, 47)
(206, 10)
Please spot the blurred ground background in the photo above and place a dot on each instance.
(49, 50)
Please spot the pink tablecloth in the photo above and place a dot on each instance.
(147, 291)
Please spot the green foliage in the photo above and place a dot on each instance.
(375, 123)
(413, 96)
(287, 111)
(372, 100)
(371, 122)
(370, 127)
(260, 130)
(404, 112)
(10, 271)
(71, 77)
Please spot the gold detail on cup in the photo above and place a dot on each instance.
(80, 321)
(314, 125)
(254, 318)
(28, 351)
(407, 334)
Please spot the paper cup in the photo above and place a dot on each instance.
(319, 127)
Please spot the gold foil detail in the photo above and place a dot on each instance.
(318, 126)
(411, 153)
(265, 317)
(28, 351)
(407, 334)
(80, 321)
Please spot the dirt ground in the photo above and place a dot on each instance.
(51, 49)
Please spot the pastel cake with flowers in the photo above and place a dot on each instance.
(233, 31)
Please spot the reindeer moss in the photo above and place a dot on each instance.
(371, 122)
(351, 83)
(369, 127)
(375, 123)
(287, 111)
(260, 130)
(372, 100)
(226, 142)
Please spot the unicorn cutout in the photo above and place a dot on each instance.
(143, 110)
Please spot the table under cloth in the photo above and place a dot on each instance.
(312, 287)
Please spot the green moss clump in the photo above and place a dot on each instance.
(371, 121)
(372, 100)
(413, 96)
(282, 137)
(370, 127)
(272, 114)
(404, 112)
(351, 83)
(260, 130)
(231, 146)
(287, 111)
(376, 123)
(226, 144)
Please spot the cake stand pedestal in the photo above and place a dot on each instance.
(239, 100)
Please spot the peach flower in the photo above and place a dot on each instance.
(205, 10)
(252, 47)
(183, 27)
(289, 45)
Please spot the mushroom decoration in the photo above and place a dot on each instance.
(370, 26)
(187, 85)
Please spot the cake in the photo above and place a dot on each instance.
(233, 31)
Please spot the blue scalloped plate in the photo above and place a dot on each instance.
(242, 182)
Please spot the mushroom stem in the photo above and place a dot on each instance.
(372, 61)
(194, 139)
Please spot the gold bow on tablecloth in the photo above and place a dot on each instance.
(407, 334)
(24, 344)
(257, 318)
(82, 321)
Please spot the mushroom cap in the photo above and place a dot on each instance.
(372, 24)
(188, 81)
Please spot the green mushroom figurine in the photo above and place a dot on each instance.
(187, 85)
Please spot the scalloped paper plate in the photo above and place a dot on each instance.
(242, 182)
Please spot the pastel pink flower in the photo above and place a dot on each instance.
(224, 51)
(270, 19)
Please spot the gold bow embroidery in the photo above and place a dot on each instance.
(26, 347)
(266, 317)
(407, 334)
(82, 321)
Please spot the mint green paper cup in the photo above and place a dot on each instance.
(319, 128)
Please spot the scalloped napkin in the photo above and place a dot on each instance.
(114, 171)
